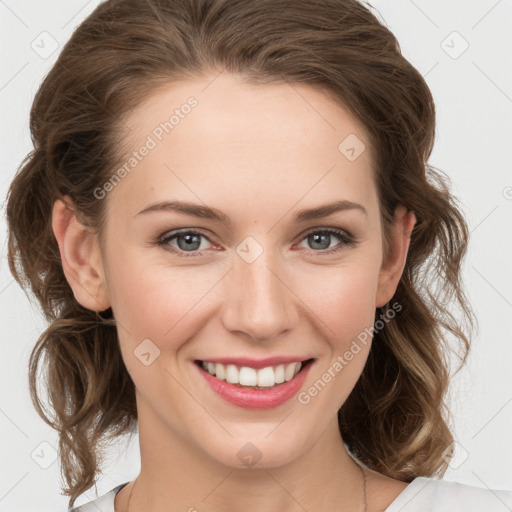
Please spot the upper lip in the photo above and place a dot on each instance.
(257, 363)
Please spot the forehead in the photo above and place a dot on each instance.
(273, 142)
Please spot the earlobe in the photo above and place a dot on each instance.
(79, 252)
(393, 265)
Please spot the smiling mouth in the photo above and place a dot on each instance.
(252, 378)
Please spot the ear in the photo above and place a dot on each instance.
(393, 264)
(80, 255)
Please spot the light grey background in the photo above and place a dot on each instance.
(473, 94)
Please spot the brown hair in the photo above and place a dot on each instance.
(395, 421)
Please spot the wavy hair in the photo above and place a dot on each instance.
(395, 421)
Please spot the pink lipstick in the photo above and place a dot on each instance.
(252, 397)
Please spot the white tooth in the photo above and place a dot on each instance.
(289, 371)
(232, 374)
(279, 374)
(248, 376)
(220, 372)
(266, 377)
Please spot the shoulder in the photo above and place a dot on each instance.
(433, 495)
(105, 503)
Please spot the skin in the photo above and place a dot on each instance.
(260, 154)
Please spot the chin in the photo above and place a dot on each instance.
(258, 452)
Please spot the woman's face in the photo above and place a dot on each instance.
(266, 281)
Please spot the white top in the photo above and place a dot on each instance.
(421, 495)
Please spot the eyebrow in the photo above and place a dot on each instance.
(205, 212)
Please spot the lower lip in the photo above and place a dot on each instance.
(249, 398)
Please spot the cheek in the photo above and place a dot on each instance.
(156, 301)
(345, 306)
(343, 298)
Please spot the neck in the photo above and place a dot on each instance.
(176, 473)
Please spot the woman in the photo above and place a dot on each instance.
(244, 255)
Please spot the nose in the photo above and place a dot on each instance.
(259, 301)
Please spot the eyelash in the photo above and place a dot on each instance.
(346, 239)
